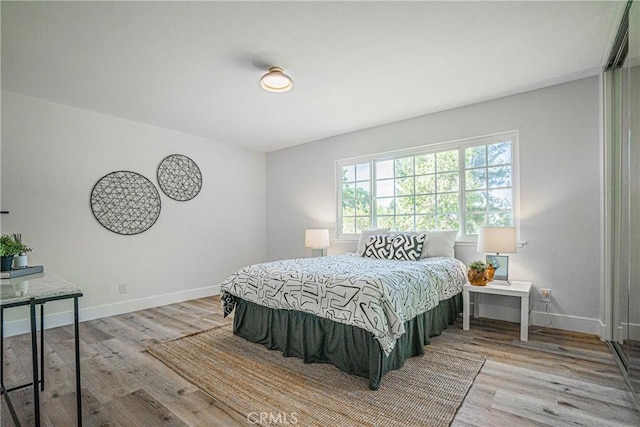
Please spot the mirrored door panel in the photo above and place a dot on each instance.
(632, 92)
(622, 82)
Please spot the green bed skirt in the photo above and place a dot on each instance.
(351, 349)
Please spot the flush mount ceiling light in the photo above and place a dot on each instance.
(276, 80)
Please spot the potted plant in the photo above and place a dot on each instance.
(9, 247)
(20, 261)
(476, 273)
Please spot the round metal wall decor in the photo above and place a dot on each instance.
(179, 177)
(125, 202)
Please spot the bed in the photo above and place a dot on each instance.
(364, 314)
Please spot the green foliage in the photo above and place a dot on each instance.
(404, 167)
(488, 176)
(356, 205)
(23, 248)
(423, 191)
(9, 246)
(447, 161)
(478, 266)
(425, 164)
(410, 188)
(448, 182)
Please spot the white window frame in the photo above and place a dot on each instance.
(460, 145)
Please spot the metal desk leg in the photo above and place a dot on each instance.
(2, 346)
(77, 344)
(5, 392)
(34, 357)
(41, 347)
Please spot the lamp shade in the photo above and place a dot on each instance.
(497, 240)
(316, 238)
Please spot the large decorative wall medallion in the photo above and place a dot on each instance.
(179, 177)
(125, 202)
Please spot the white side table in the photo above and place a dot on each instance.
(515, 289)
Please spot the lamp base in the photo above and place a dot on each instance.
(318, 252)
(501, 265)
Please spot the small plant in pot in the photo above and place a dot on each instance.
(476, 273)
(20, 261)
(9, 247)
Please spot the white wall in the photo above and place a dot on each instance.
(52, 155)
(559, 192)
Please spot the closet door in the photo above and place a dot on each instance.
(622, 201)
(632, 85)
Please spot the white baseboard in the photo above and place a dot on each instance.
(540, 318)
(22, 326)
(602, 331)
(633, 329)
(620, 332)
(569, 323)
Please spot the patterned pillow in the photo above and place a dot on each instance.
(407, 247)
(364, 236)
(378, 247)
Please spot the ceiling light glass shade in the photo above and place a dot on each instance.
(276, 80)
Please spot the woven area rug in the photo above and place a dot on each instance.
(271, 389)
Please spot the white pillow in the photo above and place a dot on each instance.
(439, 243)
(364, 236)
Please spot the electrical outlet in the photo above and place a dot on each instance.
(545, 295)
(122, 288)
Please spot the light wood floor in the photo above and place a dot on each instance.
(557, 378)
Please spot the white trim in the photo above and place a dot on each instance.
(474, 243)
(619, 335)
(607, 299)
(461, 243)
(22, 326)
(432, 147)
(569, 323)
(602, 331)
(633, 329)
(515, 183)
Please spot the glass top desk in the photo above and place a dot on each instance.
(35, 290)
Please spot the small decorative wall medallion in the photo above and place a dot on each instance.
(179, 177)
(125, 202)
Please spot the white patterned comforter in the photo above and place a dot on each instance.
(377, 295)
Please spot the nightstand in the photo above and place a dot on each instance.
(515, 289)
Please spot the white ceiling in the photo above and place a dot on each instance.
(194, 66)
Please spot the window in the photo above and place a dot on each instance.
(460, 185)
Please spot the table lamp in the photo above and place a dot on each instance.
(318, 240)
(498, 240)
